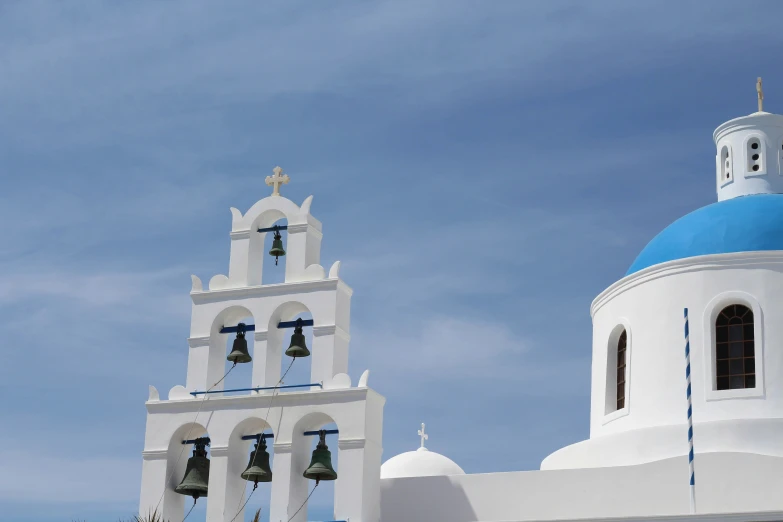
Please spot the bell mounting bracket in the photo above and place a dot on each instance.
(252, 327)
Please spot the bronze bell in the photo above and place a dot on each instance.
(258, 468)
(239, 353)
(298, 348)
(196, 479)
(277, 246)
(321, 464)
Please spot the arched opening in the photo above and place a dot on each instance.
(320, 505)
(261, 266)
(735, 357)
(298, 369)
(178, 455)
(239, 491)
(301, 367)
(241, 376)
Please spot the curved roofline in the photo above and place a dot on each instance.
(688, 264)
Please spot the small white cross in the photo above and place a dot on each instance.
(423, 435)
(278, 179)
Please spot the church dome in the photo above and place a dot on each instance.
(750, 223)
(419, 463)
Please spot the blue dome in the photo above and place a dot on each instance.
(744, 224)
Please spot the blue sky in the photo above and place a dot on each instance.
(482, 169)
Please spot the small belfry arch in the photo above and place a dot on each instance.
(238, 457)
(177, 456)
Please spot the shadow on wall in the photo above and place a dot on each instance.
(434, 498)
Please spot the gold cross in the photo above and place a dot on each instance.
(278, 179)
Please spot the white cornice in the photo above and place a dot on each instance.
(330, 329)
(305, 227)
(196, 342)
(288, 399)
(154, 454)
(689, 264)
(218, 451)
(282, 447)
(240, 234)
(350, 443)
(267, 290)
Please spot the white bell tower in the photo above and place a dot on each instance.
(749, 158)
(227, 416)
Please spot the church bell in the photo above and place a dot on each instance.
(321, 464)
(277, 246)
(239, 353)
(298, 348)
(258, 468)
(194, 483)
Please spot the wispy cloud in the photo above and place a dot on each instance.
(483, 170)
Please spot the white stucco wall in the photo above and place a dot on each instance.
(649, 304)
(725, 484)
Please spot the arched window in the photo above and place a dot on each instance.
(725, 165)
(735, 355)
(621, 346)
(755, 156)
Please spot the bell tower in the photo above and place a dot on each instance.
(227, 421)
(749, 157)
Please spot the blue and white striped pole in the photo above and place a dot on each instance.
(692, 480)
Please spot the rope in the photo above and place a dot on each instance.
(304, 503)
(187, 437)
(245, 504)
(255, 455)
(692, 474)
(190, 510)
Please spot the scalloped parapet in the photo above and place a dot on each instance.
(154, 395)
(196, 284)
(363, 379)
(179, 393)
(338, 382)
(334, 272)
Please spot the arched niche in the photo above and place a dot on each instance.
(177, 457)
(258, 271)
(238, 457)
(302, 447)
(247, 244)
(278, 340)
(220, 344)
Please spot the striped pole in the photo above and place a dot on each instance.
(692, 479)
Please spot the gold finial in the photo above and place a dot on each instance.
(760, 92)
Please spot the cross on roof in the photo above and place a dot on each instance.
(278, 179)
(760, 93)
(423, 435)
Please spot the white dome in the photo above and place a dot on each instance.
(419, 463)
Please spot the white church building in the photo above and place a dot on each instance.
(717, 272)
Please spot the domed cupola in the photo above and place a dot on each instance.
(419, 463)
(748, 216)
(749, 154)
